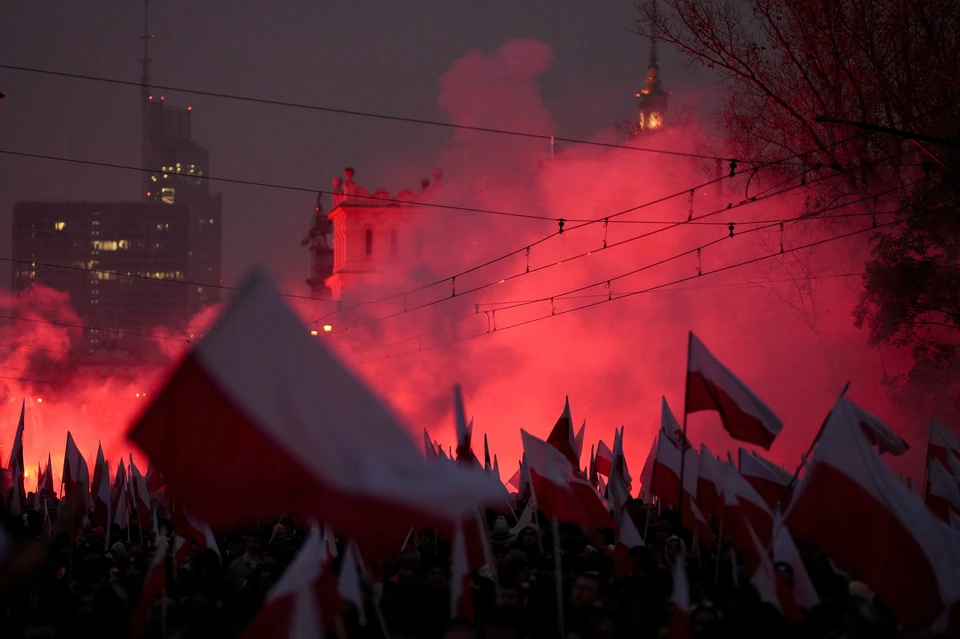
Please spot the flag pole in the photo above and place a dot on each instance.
(686, 392)
(926, 465)
(716, 568)
(558, 568)
(803, 460)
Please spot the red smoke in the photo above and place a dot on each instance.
(788, 337)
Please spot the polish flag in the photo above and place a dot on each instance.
(853, 507)
(118, 487)
(45, 487)
(461, 597)
(562, 438)
(711, 386)
(681, 608)
(769, 582)
(496, 468)
(769, 480)
(140, 495)
(664, 471)
(101, 517)
(16, 475)
(429, 452)
(878, 433)
(628, 538)
(464, 430)
(700, 526)
(486, 454)
(604, 459)
(121, 510)
(620, 460)
(943, 492)
(193, 529)
(550, 474)
(785, 551)
(154, 480)
(154, 586)
(941, 440)
(708, 479)
(578, 440)
(591, 503)
(16, 456)
(670, 425)
(304, 603)
(76, 479)
(348, 584)
(738, 495)
(256, 391)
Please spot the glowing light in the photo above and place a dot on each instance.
(59, 225)
(189, 108)
(137, 395)
(39, 400)
(502, 281)
(314, 333)
(327, 328)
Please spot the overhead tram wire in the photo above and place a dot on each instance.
(609, 218)
(650, 289)
(86, 327)
(352, 112)
(543, 267)
(607, 281)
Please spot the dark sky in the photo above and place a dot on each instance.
(375, 56)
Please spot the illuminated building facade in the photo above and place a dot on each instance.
(365, 236)
(104, 243)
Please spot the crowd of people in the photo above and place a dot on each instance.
(56, 584)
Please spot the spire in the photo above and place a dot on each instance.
(146, 36)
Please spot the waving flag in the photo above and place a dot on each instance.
(769, 480)
(562, 438)
(258, 392)
(711, 386)
(943, 492)
(854, 508)
(941, 441)
(878, 433)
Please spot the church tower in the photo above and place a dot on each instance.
(652, 98)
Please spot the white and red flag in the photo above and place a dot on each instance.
(769, 480)
(943, 492)
(76, 479)
(140, 496)
(711, 386)
(257, 392)
(708, 482)
(878, 433)
(16, 459)
(348, 583)
(461, 597)
(854, 508)
(604, 460)
(628, 538)
(941, 441)
(785, 551)
(154, 586)
(578, 440)
(100, 490)
(45, 489)
(740, 499)
(304, 604)
(562, 437)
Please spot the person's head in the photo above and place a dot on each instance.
(252, 544)
(585, 590)
(702, 620)
(436, 577)
(661, 532)
(529, 538)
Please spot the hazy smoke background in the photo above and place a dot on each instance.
(783, 325)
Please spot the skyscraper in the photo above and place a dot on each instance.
(174, 170)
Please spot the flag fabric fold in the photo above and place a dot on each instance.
(711, 386)
(853, 507)
(257, 390)
(769, 480)
(562, 437)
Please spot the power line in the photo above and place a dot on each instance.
(20, 318)
(608, 281)
(639, 292)
(543, 267)
(356, 113)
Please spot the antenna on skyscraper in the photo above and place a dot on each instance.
(146, 36)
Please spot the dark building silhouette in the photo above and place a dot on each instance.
(173, 233)
(652, 98)
(116, 254)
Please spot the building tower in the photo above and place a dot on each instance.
(652, 98)
(174, 167)
(366, 238)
